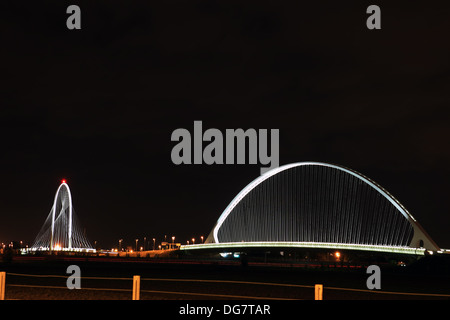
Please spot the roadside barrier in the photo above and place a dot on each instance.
(136, 287)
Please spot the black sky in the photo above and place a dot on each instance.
(97, 106)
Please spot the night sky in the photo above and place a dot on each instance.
(97, 106)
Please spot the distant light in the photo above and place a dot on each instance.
(63, 181)
(337, 254)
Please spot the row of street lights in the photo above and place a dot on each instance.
(154, 243)
(193, 240)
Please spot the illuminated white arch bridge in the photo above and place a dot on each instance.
(61, 230)
(319, 206)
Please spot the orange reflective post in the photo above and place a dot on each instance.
(136, 287)
(318, 291)
(2, 285)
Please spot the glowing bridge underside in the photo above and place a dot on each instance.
(317, 205)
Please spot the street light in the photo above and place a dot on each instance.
(193, 240)
(201, 238)
(154, 240)
(338, 255)
(173, 239)
(120, 244)
(136, 244)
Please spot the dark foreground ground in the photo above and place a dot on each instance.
(111, 279)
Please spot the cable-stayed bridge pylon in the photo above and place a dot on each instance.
(62, 230)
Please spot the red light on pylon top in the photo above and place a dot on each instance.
(63, 181)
